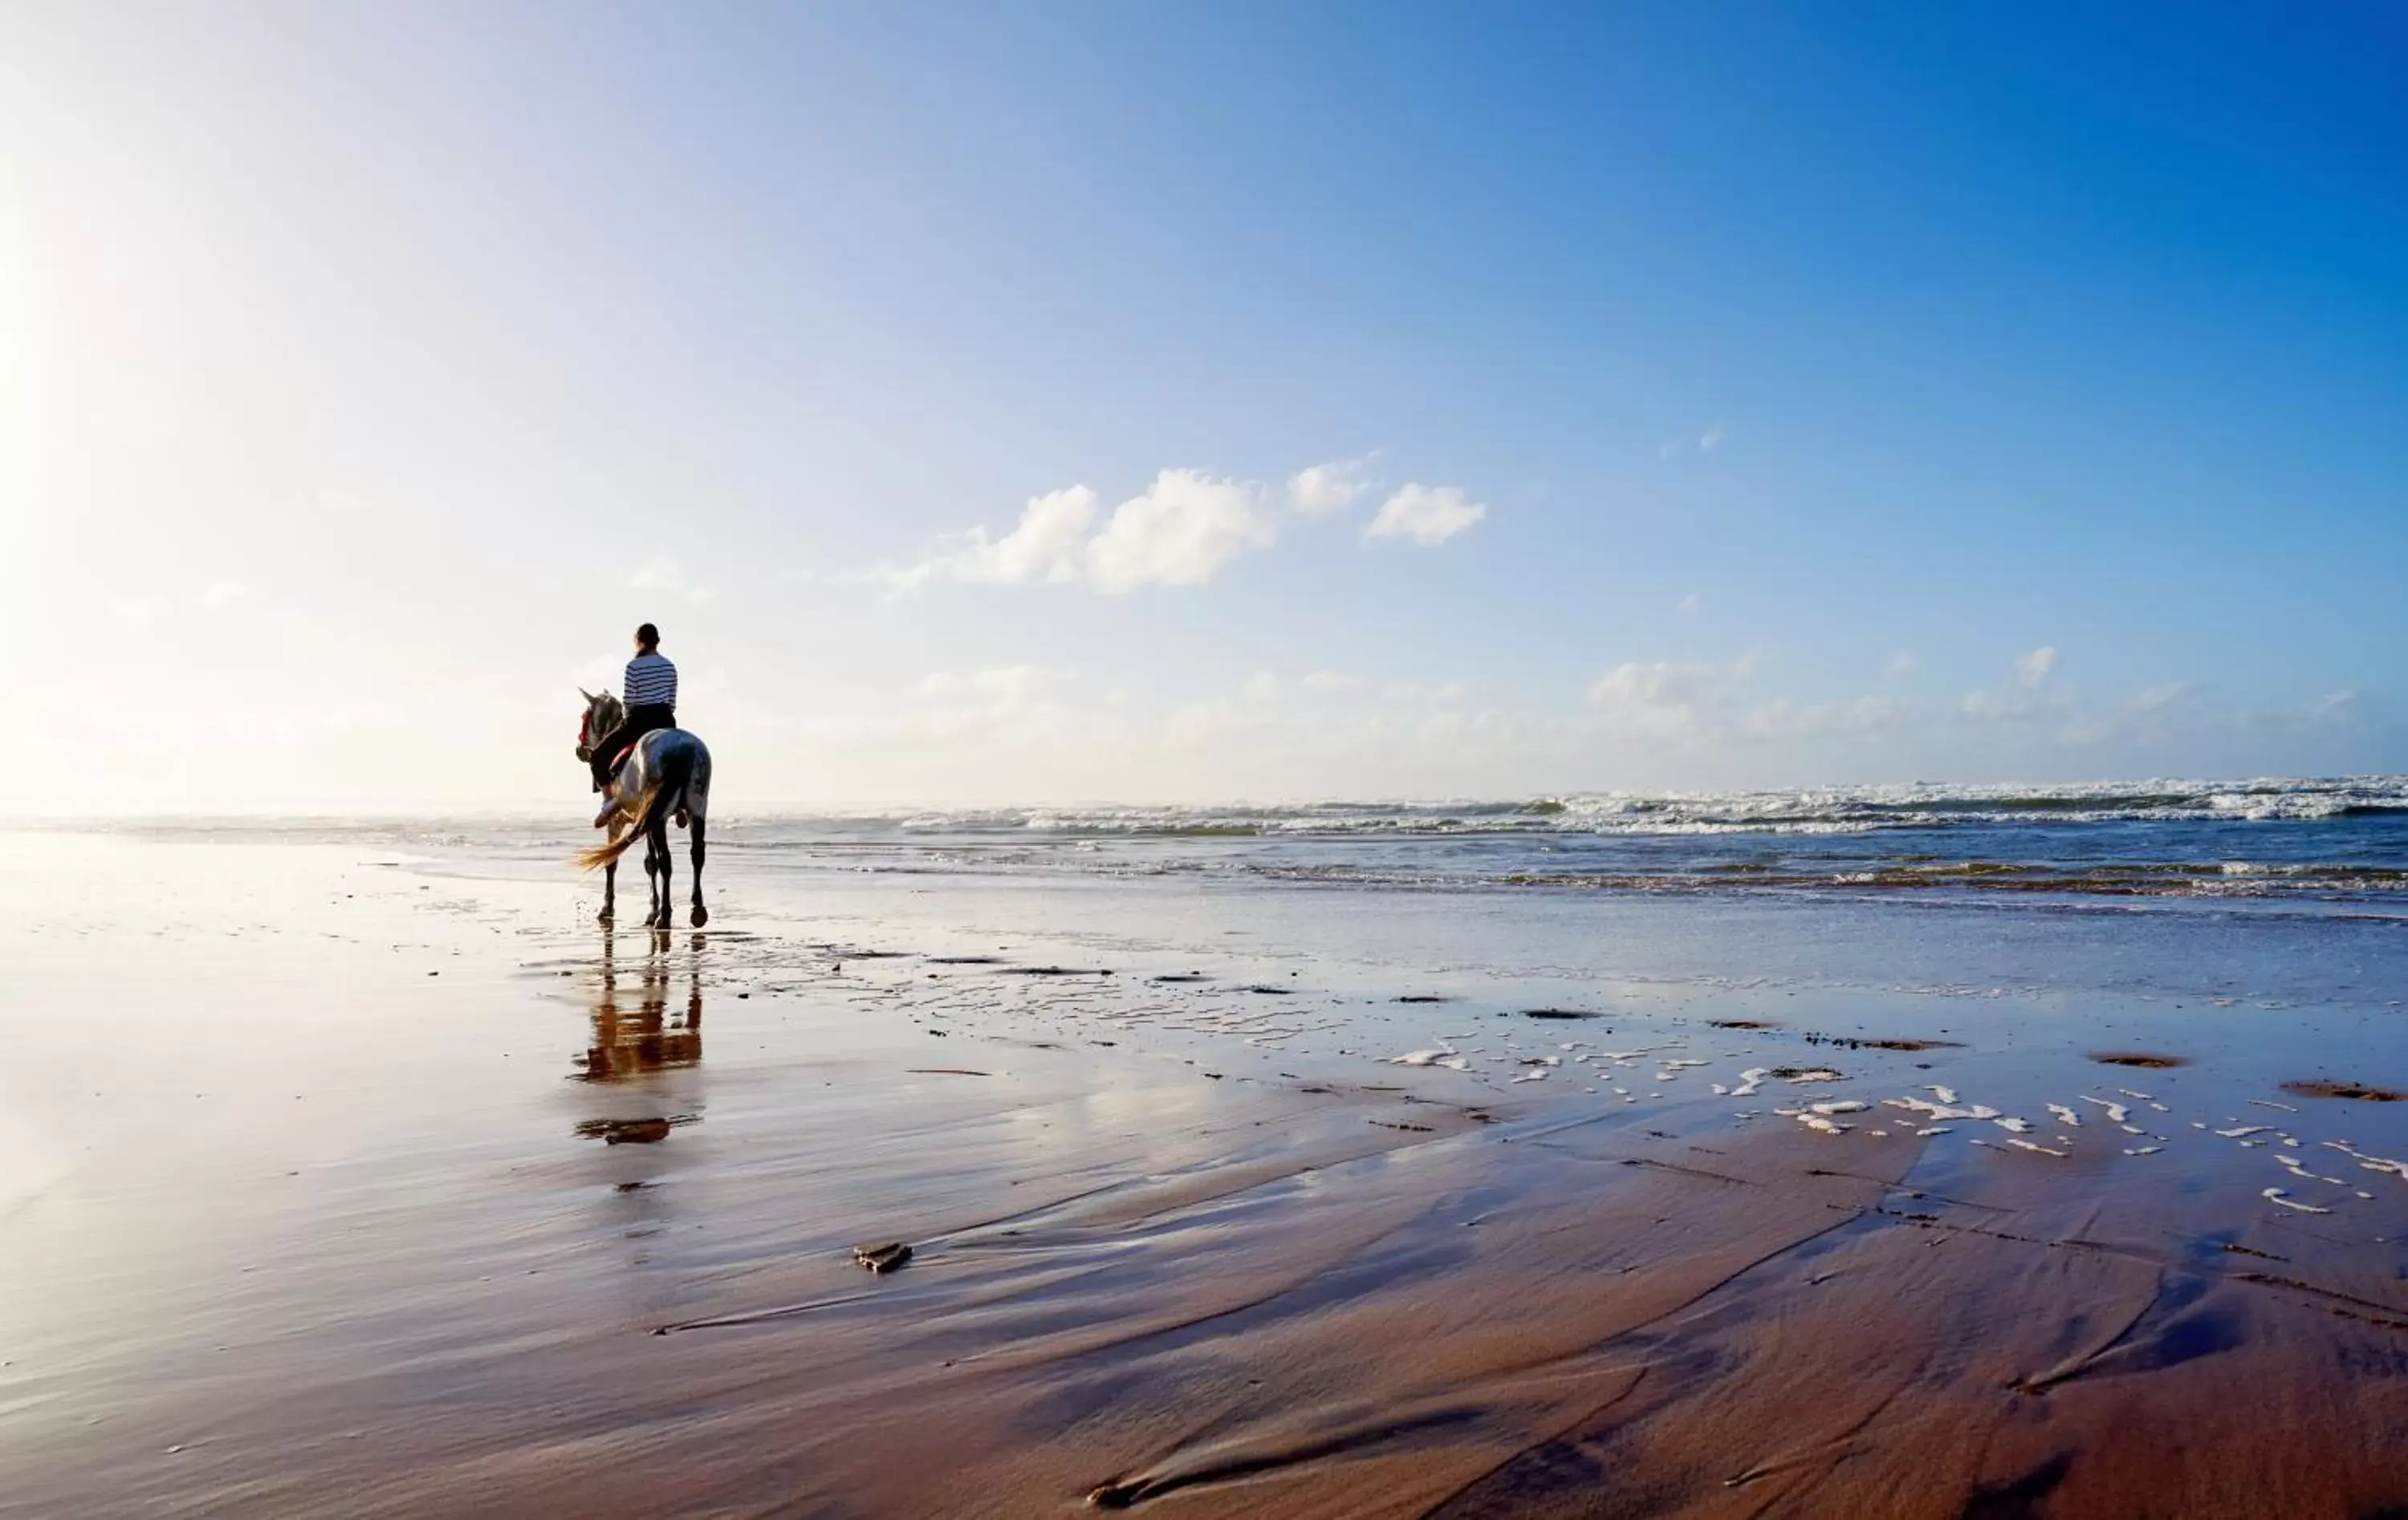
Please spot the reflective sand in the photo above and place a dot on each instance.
(339, 1187)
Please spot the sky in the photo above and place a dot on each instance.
(1086, 401)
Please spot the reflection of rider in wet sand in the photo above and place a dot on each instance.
(626, 1046)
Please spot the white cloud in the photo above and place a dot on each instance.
(2336, 707)
(2161, 699)
(1178, 532)
(1785, 719)
(1329, 488)
(1690, 604)
(2036, 667)
(1902, 665)
(1262, 686)
(1662, 697)
(1329, 681)
(1415, 691)
(1010, 685)
(222, 595)
(1044, 546)
(1705, 442)
(1996, 706)
(142, 610)
(668, 577)
(1428, 515)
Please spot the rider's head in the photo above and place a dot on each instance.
(648, 638)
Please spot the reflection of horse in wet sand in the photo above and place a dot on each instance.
(650, 1040)
(664, 776)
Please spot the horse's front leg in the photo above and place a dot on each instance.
(701, 914)
(610, 893)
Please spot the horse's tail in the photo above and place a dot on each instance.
(666, 792)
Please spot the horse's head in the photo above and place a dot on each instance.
(602, 715)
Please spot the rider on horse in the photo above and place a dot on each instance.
(651, 693)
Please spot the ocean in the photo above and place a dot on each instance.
(2330, 845)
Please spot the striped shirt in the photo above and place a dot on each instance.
(651, 681)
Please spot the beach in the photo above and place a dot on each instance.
(1297, 1167)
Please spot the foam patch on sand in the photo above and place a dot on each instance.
(2371, 1163)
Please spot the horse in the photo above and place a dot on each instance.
(664, 776)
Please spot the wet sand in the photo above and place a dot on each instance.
(334, 1185)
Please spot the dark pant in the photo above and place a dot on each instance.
(641, 719)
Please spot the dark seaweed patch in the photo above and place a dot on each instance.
(1850, 1043)
(2142, 1059)
(2357, 1092)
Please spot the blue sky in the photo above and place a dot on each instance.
(1909, 392)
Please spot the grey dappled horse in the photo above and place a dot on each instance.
(665, 776)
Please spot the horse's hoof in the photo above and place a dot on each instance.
(701, 916)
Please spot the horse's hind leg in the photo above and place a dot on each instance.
(701, 914)
(669, 871)
(653, 880)
(610, 893)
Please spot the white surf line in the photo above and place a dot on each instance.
(2036, 1149)
(2015, 1127)
(2298, 1170)
(2142, 1149)
(1540, 1075)
(2237, 1131)
(1820, 1074)
(2371, 1163)
(1936, 1111)
(2116, 1113)
(1428, 1057)
(2276, 1195)
(1750, 1080)
(1841, 1105)
(2128, 1093)
(2065, 1116)
(2268, 1103)
(1945, 1095)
